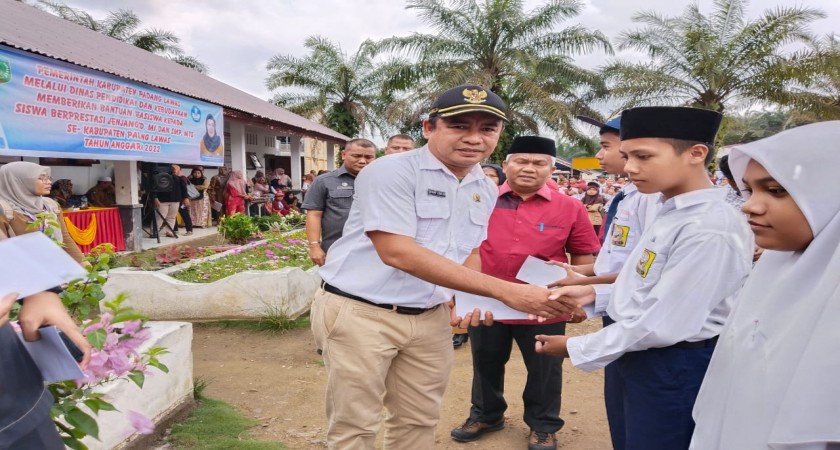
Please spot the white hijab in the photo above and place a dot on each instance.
(774, 379)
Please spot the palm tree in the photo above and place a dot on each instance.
(817, 95)
(712, 61)
(496, 44)
(344, 92)
(123, 25)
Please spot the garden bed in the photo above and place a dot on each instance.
(270, 277)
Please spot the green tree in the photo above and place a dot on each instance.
(715, 61)
(817, 95)
(520, 55)
(343, 92)
(123, 25)
(756, 125)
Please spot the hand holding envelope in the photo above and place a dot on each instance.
(534, 271)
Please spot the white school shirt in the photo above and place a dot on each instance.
(412, 194)
(677, 282)
(634, 214)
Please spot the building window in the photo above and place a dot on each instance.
(251, 139)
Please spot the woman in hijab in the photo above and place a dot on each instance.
(200, 207)
(773, 379)
(291, 201)
(594, 203)
(495, 173)
(236, 193)
(211, 141)
(23, 188)
(61, 192)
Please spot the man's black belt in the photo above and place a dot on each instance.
(398, 309)
(706, 343)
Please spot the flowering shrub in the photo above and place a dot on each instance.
(116, 336)
(279, 250)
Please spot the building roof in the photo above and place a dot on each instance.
(27, 28)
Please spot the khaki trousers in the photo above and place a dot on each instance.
(375, 357)
(168, 210)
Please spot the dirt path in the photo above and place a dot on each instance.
(279, 380)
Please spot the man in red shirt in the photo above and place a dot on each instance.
(530, 219)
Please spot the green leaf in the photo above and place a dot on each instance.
(74, 443)
(97, 338)
(137, 377)
(97, 405)
(82, 421)
(127, 316)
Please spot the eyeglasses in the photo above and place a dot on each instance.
(45, 179)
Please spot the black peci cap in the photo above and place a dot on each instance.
(466, 99)
(533, 144)
(670, 122)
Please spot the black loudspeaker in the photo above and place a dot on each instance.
(162, 180)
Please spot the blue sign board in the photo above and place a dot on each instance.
(49, 108)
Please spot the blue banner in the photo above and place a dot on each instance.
(49, 108)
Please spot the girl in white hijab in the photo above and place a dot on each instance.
(23, 186)
(774, 379)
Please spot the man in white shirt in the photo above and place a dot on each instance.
(381, 319)
(629, 213)
(671, 300)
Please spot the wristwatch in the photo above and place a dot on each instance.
(314, 242)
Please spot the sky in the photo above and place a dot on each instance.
(236, 39)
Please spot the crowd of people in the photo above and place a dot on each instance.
(702, 347)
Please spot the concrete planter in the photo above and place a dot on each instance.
(162, 393)
(245, 295)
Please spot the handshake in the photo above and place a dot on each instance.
(540, 303)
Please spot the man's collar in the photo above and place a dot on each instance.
(341, 171)
(629, 188)
(544, 191)
(695, 197)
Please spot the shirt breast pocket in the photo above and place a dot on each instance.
(340, 198)
(432, 221)
(471, 233)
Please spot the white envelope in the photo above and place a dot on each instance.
(466, 303)
(535, 271)
(33, 263)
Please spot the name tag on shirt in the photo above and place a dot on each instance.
(435, 193)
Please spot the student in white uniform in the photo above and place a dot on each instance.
(671, 299)
(381, 318)
(629, 213)
(774, 380)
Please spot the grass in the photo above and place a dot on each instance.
(199, 385)
(215, 425)
(271, 323)
(277, 252)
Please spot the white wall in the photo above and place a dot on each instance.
(83, 178)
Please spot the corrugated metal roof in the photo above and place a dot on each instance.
(26, 28)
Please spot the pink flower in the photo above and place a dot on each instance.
(132, 326)
(141, 423)
(269, 254)
(285, 258)
(279, 246)
(205, 276)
